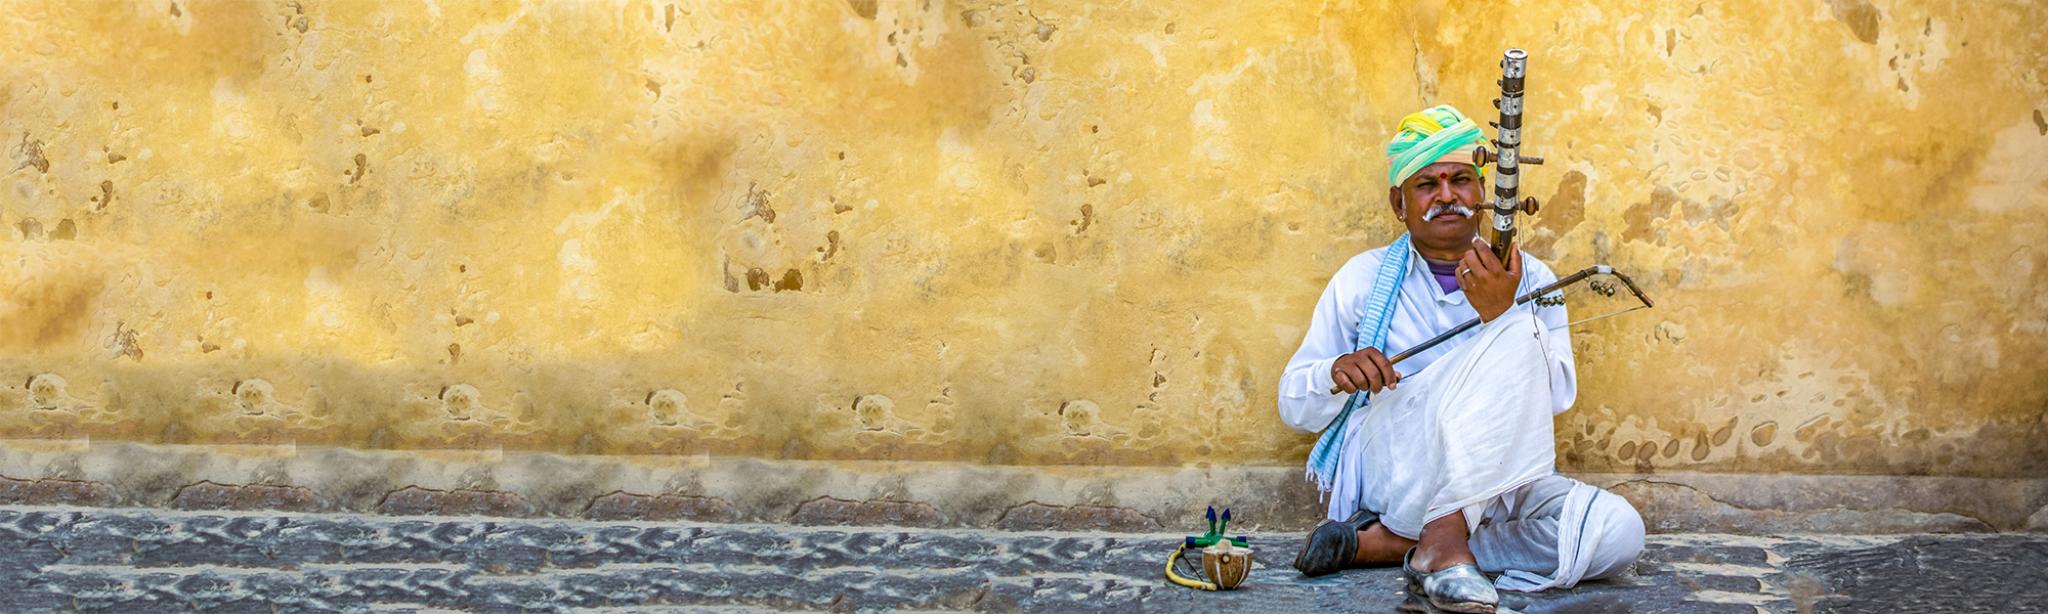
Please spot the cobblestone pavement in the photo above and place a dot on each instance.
(138, 560)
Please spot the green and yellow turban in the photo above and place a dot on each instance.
(1429, 136)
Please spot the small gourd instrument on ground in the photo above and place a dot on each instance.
(1226, 561)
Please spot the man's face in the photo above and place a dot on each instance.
(1444, 187)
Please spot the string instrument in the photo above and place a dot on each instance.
(1226, 561)
(1507, 201)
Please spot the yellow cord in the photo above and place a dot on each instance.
(1183, 581)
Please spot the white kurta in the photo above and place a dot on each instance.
(1421, 311)
(1468, 429)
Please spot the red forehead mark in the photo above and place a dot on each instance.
(1443, 176)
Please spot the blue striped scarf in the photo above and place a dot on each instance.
(1372, 332)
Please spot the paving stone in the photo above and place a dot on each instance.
(1929, 573)
(235, 561)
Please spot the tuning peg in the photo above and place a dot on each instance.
(1529, 205)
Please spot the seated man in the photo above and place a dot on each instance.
(1446, 463)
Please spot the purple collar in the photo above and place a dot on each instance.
(1446, 274)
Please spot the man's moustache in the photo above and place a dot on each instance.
(1446, 208)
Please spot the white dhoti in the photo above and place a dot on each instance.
(1472, 433)
(1555, 532)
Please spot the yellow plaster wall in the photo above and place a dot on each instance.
(1061, 232)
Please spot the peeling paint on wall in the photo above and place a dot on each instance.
(1062, 233)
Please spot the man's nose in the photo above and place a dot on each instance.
(1442, 193)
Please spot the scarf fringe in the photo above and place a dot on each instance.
(1372, 332)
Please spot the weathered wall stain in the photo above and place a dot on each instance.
(1861, 18)
(1068, 233)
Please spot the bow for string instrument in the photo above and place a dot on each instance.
(1507, 201)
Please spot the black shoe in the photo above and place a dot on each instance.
(1332, 545)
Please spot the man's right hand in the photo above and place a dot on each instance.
(1366, 370)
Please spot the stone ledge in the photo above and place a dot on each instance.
(908, 494)
(53, 491)
(836, 511)
(629, 506)
(1760, 504)
(212, 496)
(1035, 516)
(413, 500)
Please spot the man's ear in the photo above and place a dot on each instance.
(1394, 202)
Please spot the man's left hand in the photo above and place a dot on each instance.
(1489, 285)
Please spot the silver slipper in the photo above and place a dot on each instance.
(1458, 588)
